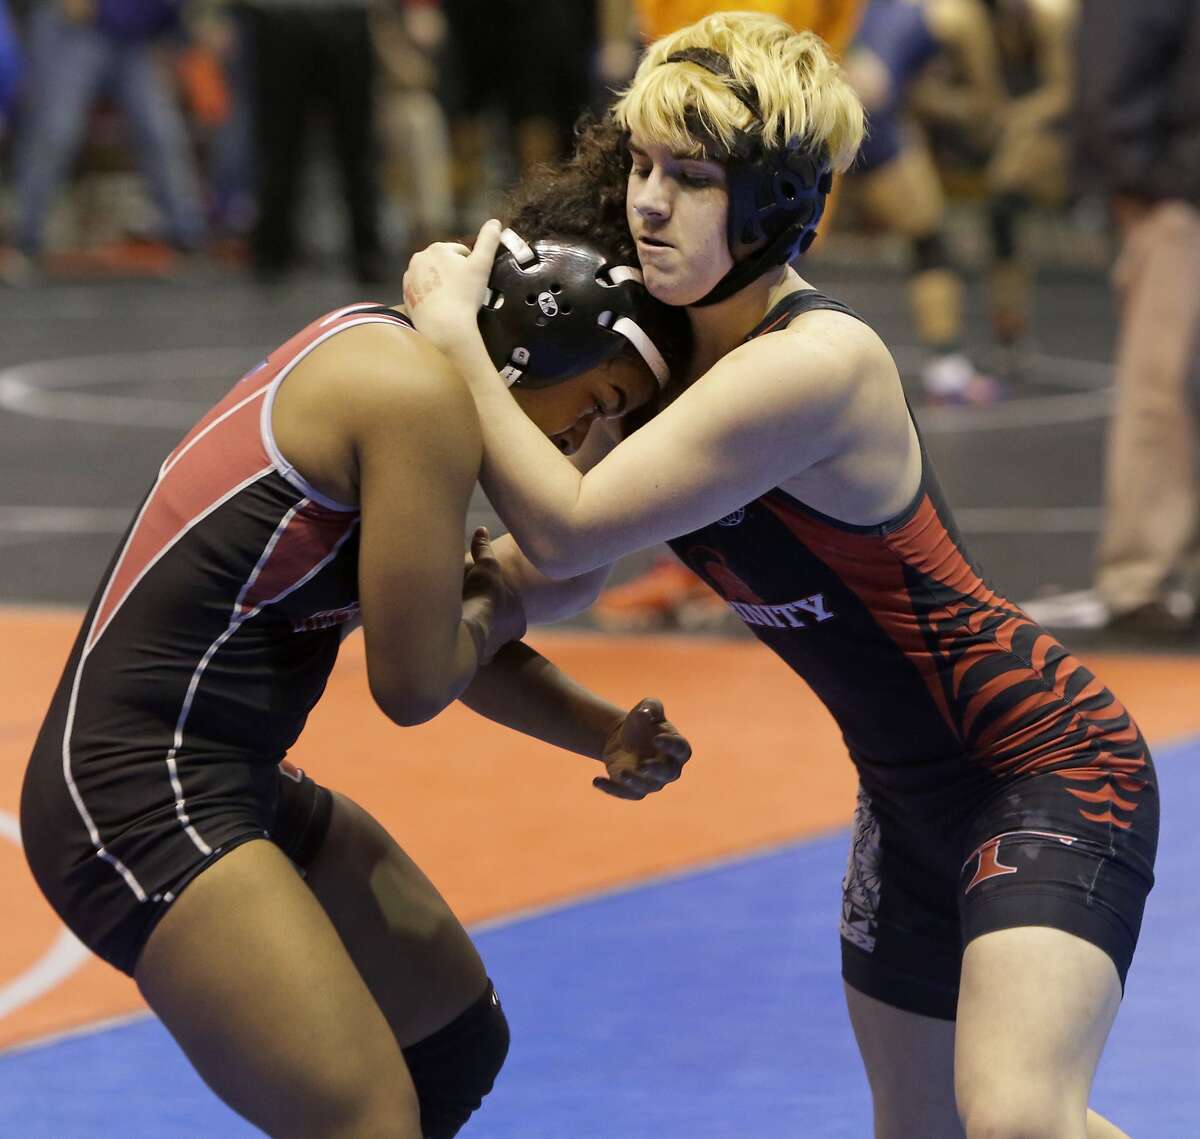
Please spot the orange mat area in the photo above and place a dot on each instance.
(503, 823)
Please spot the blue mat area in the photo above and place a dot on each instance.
(703, 1007)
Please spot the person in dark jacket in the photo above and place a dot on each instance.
(79, 50)
(310, 56)
(1138, 137)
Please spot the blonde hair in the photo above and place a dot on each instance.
(801, 90)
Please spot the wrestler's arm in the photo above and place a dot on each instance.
(546, 599)
(416, 446)
(522, 690)
(641, 749)
(763, 414)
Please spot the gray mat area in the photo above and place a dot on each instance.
(98, 381)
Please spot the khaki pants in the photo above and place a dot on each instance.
(1151, 491)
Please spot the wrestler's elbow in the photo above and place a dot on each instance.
(408, 708)
(558, 552)
(410, 688)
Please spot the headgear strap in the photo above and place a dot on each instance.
(776, 193)
(715, 62)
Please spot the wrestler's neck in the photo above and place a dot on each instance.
(718, 329)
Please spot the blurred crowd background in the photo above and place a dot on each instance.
(278, 139)
(159, 136)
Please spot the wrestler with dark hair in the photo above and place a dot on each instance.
(312, 974)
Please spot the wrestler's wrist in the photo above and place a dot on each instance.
(472, 361)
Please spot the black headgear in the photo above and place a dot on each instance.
(776, 193)
(558, 308)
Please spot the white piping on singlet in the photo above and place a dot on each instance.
(168, 464)
(278, 463)
(272, 389)
(236, 619)
(171, 460)
(337, 314)
(90, 642)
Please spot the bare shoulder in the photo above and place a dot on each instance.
(848, 382)
(390, 379)
(386, 366)
(819, 379)
(834, 355)
(841, 333)
(380, 388)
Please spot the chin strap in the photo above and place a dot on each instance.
(775, 253)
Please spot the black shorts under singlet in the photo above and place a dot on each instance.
(286, 807)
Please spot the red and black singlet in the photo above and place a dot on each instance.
(941, 686)
(209, 640)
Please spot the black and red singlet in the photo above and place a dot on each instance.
(942, 687)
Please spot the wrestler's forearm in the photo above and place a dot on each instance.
(522, 690)
(533, 489)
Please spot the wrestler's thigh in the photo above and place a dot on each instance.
(248, 974)
(910, 1066)
(1035, 1007)
(416, 958)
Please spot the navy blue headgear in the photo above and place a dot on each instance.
(776, 193)
(558, 307)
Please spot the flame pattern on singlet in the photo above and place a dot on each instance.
(942, 687)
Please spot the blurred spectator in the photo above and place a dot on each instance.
(1138, 122)
(527, 63)
(409, 40)
(215, 74)
(835, 21)
(78, 51)
(310, 56)
(10, 68)
(1029, 161)
(899, 185)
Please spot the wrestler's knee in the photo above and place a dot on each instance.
(1021, 1113)
(999, 1102)
(455, 1068)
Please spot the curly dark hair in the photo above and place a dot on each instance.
(585, 198)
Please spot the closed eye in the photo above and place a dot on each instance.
(617, 409)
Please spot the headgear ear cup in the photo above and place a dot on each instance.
(776, 193)
(555, 308)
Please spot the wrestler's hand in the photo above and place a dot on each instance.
(487, 593)
(643, 754)
(444, 286)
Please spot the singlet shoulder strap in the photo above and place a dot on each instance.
(380, 310)
(793, 305)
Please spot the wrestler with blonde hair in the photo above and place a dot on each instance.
(1008, 814)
